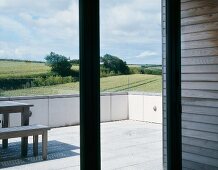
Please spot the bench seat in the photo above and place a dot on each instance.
(31, 130)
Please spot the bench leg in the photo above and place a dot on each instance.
(44, 145)
(5, 125)
(24, 146)
(35, 145)
(24, 140)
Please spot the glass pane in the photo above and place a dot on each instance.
(39, 51)
(131, 84)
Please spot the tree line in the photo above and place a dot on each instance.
(62, 65)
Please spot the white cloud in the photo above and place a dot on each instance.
(131, 27)
(146, 54)
(34, 28)
(34, 34)
(17, 51)
(14, 26)
(39, 7)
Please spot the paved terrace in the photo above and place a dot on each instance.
(126, 145)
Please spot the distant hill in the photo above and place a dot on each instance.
(145, 65)
(20, 60)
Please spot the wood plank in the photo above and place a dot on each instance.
(44, 145)
(199, 27)
(200, 77)
(200, 134)
(5, 124)
(199, 94)
(200, 102)
(197, 69)
(204, 10)
(213, 120)
(196, 52)
(212, 17)
(200, 159)
(196, 102)
(206, 127)
(200, 52)
(189, 61)
(35, 145)
(22, 128)
(200, 110)
(197, 4)
(200, 151)
(199, 44)
(197, 77)
(200, 69)
(196, 165)
(6, 104)
(212, 86)
(204, 35)
(208, 60)
(20, 134)
(202, 143)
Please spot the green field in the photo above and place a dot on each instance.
(134, 82)
(18, 69)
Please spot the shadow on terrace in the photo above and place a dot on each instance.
(11, 157)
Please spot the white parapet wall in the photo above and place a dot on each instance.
(145, 107)
(63, 110)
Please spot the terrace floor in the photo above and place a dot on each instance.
(125, 144)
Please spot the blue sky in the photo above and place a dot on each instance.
(30, 29)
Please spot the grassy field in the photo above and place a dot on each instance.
(135, 82)
(17, 69)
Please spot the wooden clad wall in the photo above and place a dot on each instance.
(199, 19)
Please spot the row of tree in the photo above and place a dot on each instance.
(61, 65)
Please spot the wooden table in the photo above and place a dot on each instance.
(10, 107)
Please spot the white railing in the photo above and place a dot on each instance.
(63, 110)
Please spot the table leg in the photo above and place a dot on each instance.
(44, 145)
(5, 125)
(24, 122)
(35, 145)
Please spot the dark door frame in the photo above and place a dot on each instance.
(89, 27)
(173, 84)
(89, 85)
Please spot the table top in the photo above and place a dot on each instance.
(11, 104)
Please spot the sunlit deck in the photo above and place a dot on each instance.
(125, 145)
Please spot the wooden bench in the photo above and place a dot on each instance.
(31, 130)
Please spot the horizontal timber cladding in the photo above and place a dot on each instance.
(199, 20)
(164, 75)
(198, 77)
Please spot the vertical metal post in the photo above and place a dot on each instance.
(5, 124)
(173, 84)
(89, 85)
